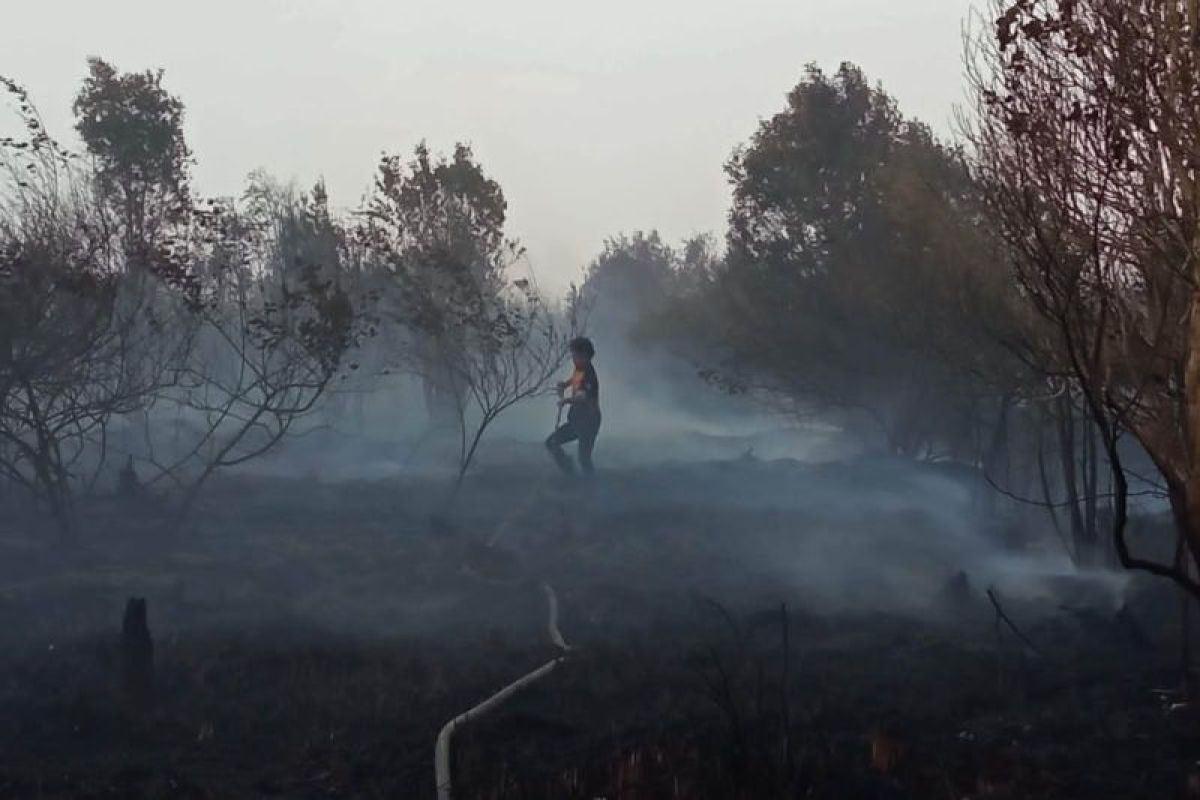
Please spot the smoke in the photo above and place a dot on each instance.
(699, 493)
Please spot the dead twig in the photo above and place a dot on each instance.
(1012, 626)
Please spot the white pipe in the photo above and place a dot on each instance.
(552, 624)
(441, 755)
(441, 751)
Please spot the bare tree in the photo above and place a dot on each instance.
(121, 297)
(1088, 147)
(509, 355)
(80, 343)
(273, 325)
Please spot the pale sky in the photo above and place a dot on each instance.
(595, 118)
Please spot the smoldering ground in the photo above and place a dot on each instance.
(336, 589)
(312, 633)
(322, 612)
(780, 508)
(362, 555)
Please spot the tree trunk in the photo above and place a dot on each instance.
(997, 460)
(359, 406)
(1185, 632)
(1091, 489)
(1185, 490)
(442, 402)
(1048, 498)
(1066, 452)
(137, 657)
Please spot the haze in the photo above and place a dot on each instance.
(595, 118)
(854, 469)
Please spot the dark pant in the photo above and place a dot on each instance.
(574, 430)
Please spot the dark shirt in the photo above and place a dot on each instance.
(587, 411)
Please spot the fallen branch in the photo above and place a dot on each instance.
(531, 500)
(1012, 626)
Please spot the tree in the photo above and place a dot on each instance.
(630, 279)
(78, 345)
(231, 316)
(508, 357)
(133, 129)
(274, 321)
(436, 228)
(254, 289)
(1087, 134)
(481, 340)
(637, 291)
(857, 275)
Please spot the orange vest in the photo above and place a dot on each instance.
(575, 382)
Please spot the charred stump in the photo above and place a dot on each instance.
(137, 656)
(129, 486)
(956, 592)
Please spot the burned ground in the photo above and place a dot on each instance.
(741, 629)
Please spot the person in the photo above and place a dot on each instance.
(581, 395)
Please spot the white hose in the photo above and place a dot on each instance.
(441, 751)
(552, 624)
(441, 755)
(531, 499)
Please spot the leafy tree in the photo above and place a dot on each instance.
(133, 129)
(635, 292)
(436, 226)
(858, 271)
(631, 277)
(480, 339)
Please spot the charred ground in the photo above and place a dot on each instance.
(742, 629)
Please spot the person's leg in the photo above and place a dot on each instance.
(587, 443)
(554, 442)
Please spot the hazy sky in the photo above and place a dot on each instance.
(595, 118)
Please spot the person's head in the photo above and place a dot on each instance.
(582, 351)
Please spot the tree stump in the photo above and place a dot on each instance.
(956, 591)
(129, 486)
(137, 657)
